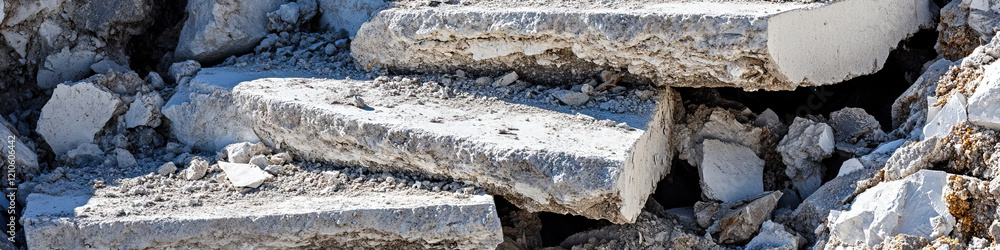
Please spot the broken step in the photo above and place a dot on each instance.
(539, 158)
(754, 45)
(374, 220)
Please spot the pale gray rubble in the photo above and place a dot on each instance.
(348, 15)
(803, 150)
(75, 115)
(775, 236)
(25, 159)
(909, 111)
(310, 205)
(530, 155)
(855, 131)
(752, 45)
(215, 30)
(652, 230)
(737, 221)
(730, 172)
(965, 25)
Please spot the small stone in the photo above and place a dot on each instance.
(183, 69)
(275, 169)
(281, 159)
(342, 43)
(774, 236)
(83, 153)
(330, 49)
(196, 169)
(259, 160)
(587, 89)
(145, 111)
(154, 80)
(167, 169)
(240, 152)
(506, 80)
(571, 98)
(244, 175)
(360, 103)
(125, 159)
(483, 81)
(460, 73)
(289, 12)
(849, 166)
(644, 94)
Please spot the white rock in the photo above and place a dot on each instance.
(183, 69)
(144, 111)
(105, 66)
(849, 166)
(216, 29)
(984, 105)
(940, 120)
(570, 97)
(506, 80)
(167, 169)
(773, 236)
(86, 151)
(125, 159)
(780, 46)
(730, 172)
(803, 150)
(154, 80)
(281, 159)
(289, 12)
(348, 14)
(914, 205)
(259, 161)
(75, 114)
(24, 157)
(196, 169)
(67, 65)
(244, 175)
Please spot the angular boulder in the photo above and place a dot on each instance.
(216, 29)
(75, 114)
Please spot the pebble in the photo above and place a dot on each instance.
(167, 169)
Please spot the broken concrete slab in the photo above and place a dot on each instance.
(75, 114)
(348, 15)
(372, 220)
(914, 206)
(754, 45)
(216, 29)
(539, 159)
(244, 175)
(730, 172)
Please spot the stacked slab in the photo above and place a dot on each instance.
(754, 45)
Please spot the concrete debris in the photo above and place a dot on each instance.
(507, 80)
(850, 165)
(803, 150)
(105, 66)
(737, 221)
(914, 157)
(281, 158)
(982, 105)
(125, 159)
(215, 30)
(75, 115)
(618, 171)
(144, 111)
(940, 120)
(23, 156)
(909, 111)
(84, 152)
(571, 98)
(154, 80)
(244, 151)
(964, 25)
(855, 131)
(196, 169)
(259, 161)
(914, 206)
(522, 36)
(775, 236)
(244, 175)
(716, 123)
(183, 69)
(348, 15)
(67, 65)
(730, 172)
(813, 211)
(648, 232)
(167, 169)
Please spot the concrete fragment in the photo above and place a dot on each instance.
(706, 123)
(167, 169)
(216, 29)
(909, 111)
(385, 220)
(242, 152)
(780, 45)
(611, 179)
(244, 175)
(179, 70)
(570, 97)
(813, 211)
(24, 157)
(774, 236)
(506, 80)
(144, 111)
(850, 165)
(281, 158)
(84, 152)
(75, 114)
(965, 25)
(67, 65)
(855, 131)
(106, 65)
(940, 119)
(196, 169)
(259, 161)
(125, 159)
(914, 206)
(803, 150)
(737, 221)
(730, 172)
(154, 80)
(348, 15)
(983, 109)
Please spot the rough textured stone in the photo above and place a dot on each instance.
(855, 131)
(737, 221)
(756, 45)
(195, 169)
(570, 97)
(706, 123)
(179, 70)
(914, 205)
(144, 111)
(105, 66)
(24, 157)
(803, 150)
(940, 119)
(216, 29)
(964, 25)
(984, 104)
(348, 15)
(67, 65)
(535, 167)
(75, 114)
(379, 221)
(125, 159)
(774, 236)
(167, 169)
(909, 111)
(730, 172)
(244, 175)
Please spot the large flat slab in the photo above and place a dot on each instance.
(746, 44)
(540, 159)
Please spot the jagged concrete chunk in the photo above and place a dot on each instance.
(730, 172)
(348, 15)
(75, 114)
(216, 29)
(914, 206)
(541, 160)
(67, 65)
(941, 118)
(774, 236)
(244, 175)
(25, 159)
(751, 45)
(144, 111)
(984, 105)
(379, 221)
(736, 221)
(803, 150)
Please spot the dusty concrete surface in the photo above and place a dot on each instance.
(532, 155)
(753, 45)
